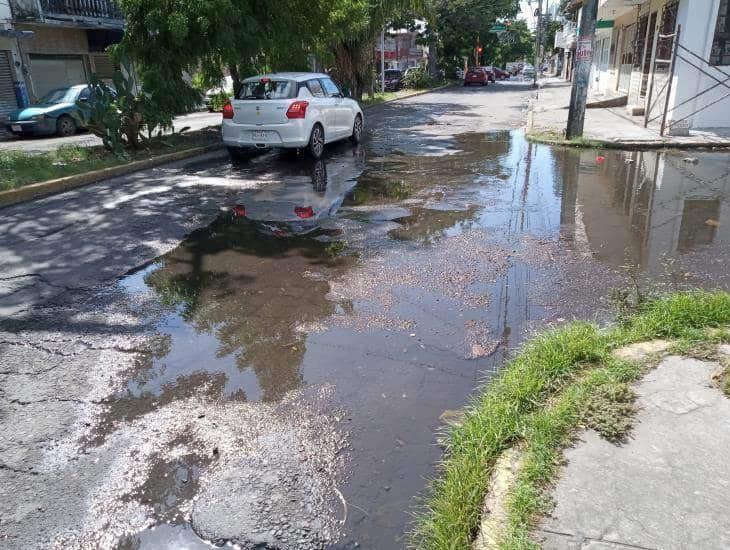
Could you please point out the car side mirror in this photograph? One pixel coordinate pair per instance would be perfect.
(346, 92)
(84, 99)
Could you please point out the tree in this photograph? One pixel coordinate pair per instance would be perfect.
(520, 47)
(459, 24)
(352, 28)
(169, 38)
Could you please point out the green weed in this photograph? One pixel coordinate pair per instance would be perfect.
(560, 381)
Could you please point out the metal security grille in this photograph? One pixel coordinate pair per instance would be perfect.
(7, 94)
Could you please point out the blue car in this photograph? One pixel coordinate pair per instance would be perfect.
(57, 113)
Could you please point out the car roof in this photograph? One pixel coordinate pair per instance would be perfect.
(299, 77)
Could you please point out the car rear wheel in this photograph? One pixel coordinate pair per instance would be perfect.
(315, 148)
(356, 136)
(65, 126)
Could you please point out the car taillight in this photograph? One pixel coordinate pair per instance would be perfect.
(239, 211)
(228, 111)
(304, 212)
(298, 109)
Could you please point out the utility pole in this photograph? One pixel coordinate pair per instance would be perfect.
(582, 71)
(538, 41)
(382, 60)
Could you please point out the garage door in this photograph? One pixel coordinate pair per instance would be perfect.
(48, 73)
(7, 95)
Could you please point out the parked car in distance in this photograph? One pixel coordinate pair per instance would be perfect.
(225, 87)
(490, 73)
(499, 74)
(393, 80)
(56, 113)
(528, 71)
(476, 75)
(290, 111)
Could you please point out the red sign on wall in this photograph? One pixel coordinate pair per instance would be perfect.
(584, 49)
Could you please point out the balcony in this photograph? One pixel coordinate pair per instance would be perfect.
(78, 13)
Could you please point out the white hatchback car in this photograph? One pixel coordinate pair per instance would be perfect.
(290, 110)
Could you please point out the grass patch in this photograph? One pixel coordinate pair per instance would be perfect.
(558, 138)
(381, 97)
(560, 381)
(19, 168)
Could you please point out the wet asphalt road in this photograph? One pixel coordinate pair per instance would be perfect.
(175, 371)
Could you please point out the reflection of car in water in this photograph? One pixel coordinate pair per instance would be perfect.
(297, 205)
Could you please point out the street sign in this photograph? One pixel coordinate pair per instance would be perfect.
(498, 27)
(584, 49)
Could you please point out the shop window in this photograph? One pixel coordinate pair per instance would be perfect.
(720, 53)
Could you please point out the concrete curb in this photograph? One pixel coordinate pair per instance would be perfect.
(591, 143)
(52, 187)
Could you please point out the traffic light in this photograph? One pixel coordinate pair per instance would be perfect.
(479, 49)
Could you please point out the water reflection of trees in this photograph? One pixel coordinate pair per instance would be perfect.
(252, 292)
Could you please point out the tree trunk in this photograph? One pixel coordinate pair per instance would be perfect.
(236, 77)
(433, 66)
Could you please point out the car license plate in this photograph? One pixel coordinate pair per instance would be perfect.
(260, 134)
(15, 127)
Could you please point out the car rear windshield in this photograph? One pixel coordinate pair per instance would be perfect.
(267, 89)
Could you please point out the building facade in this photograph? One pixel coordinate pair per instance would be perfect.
(46, 44)
(635, 42)
(402, 50)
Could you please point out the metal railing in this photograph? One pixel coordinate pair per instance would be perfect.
(693, 60)
(94, 9)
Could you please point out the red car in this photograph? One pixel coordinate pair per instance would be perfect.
(476, 75)
(500, 74)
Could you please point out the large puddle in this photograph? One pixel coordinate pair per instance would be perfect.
(400, 282)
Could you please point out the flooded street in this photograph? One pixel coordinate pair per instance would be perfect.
(280, 378)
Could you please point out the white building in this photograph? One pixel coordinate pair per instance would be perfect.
(634, 44)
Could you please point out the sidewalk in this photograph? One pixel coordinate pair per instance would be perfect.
(609, 127)
(668, 486)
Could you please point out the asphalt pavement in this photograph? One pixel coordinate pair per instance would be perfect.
(261, 353)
